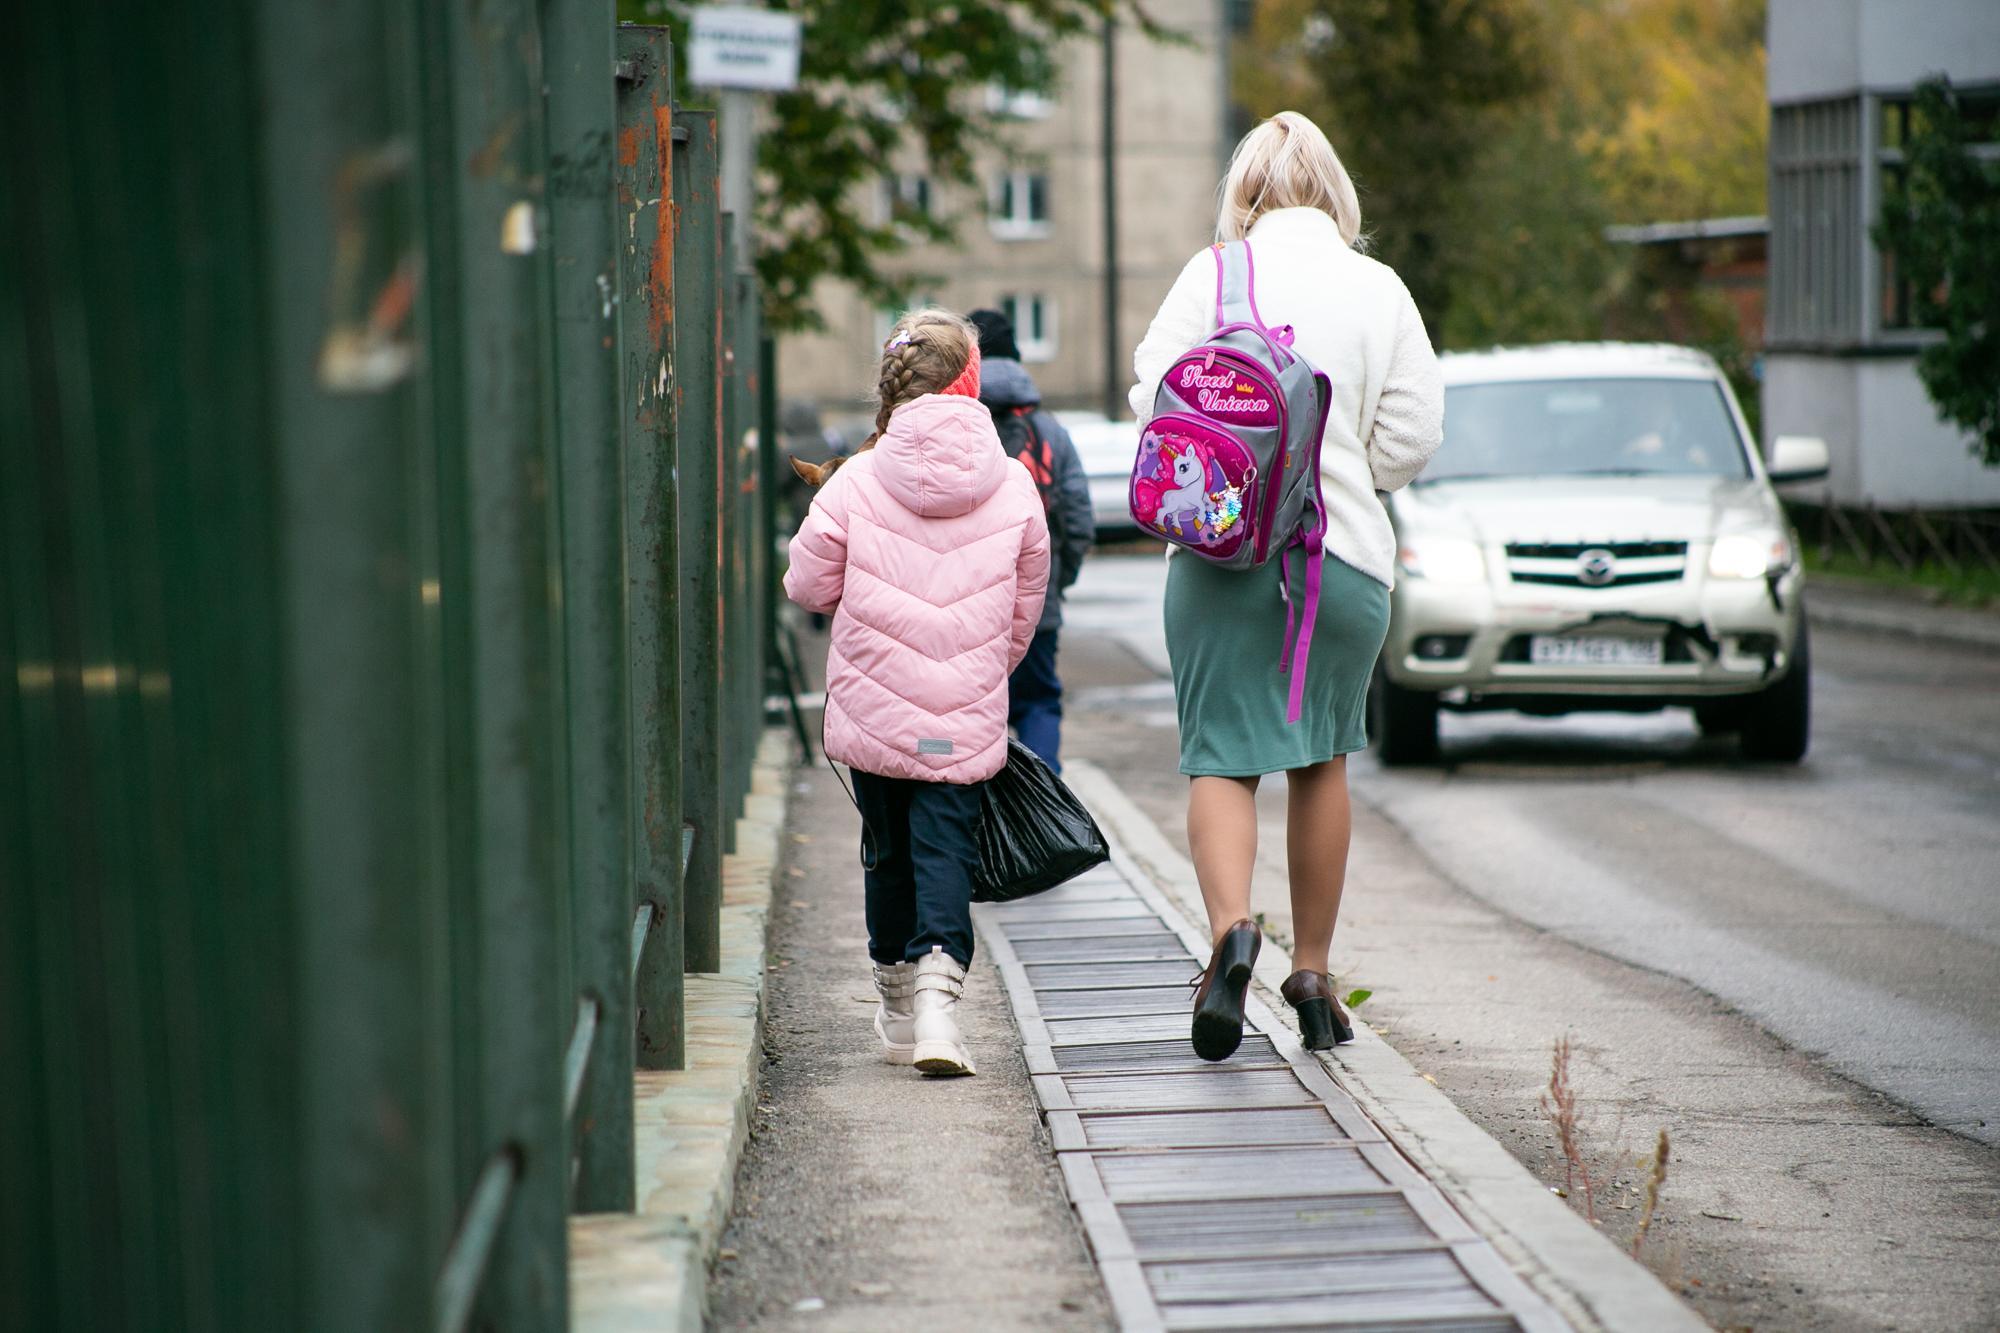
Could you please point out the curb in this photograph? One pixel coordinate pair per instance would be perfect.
(649, 1269)
(1934, 624)
(1589, 1280)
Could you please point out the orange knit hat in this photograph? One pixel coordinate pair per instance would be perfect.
(967, 383)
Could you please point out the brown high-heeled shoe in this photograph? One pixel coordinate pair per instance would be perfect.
(1218, 998)
(1323, 1024)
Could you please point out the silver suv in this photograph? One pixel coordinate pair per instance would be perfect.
(1598, 532)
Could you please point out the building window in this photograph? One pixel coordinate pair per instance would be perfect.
(1021, 205)
(1017, 104)
(905, 197)
(886, 316)
(1034, 319)
(1981, 113)
(1817, 232)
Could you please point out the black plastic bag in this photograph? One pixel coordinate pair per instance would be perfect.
(1033, 832)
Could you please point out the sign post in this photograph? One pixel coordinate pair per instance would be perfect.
(742, 51)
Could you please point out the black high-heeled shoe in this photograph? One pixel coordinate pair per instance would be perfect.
(1218, 998)
(1322, 1022)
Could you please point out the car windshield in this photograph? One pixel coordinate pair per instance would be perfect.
(1590, 427)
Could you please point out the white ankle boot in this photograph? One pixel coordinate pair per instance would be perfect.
(896, 1013)
(939, 982)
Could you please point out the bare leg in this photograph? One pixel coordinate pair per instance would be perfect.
(1222, 834)
(1318, 822)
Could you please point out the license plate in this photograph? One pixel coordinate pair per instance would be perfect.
(1592, 650)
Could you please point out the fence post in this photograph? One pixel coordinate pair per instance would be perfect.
(597, 1069)
(698, 388)
(355, 446)
(646, 210)
(769, 451)
(756, 541)
(734, 742)
(480, 80)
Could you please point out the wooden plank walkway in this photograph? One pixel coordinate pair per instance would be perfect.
(1249, 1194)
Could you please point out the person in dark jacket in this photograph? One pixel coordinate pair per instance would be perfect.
(1034, 704)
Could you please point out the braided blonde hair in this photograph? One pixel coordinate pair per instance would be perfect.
(925, 352)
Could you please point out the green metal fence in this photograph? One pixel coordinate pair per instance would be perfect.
(384, 603)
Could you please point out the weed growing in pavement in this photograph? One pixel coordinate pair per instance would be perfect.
(1653, 1183)
(1559, 1105)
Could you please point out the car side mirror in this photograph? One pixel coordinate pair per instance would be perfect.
(1797, 458)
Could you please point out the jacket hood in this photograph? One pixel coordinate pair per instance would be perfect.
(1005, 383)
(940, 456)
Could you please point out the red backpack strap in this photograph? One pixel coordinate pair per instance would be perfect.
(1039, 459)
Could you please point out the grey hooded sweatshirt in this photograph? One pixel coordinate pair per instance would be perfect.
(1004, 385)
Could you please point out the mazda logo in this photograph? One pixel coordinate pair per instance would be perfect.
(1596, 567)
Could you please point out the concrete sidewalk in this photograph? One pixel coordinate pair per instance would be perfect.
(868, 1194)
(1574, 1268)
(1859, 605)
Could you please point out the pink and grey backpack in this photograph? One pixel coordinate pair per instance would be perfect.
(1228, 467)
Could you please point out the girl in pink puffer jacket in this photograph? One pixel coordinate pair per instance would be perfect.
(930, 550)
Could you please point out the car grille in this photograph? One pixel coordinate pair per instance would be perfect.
(1616, 564)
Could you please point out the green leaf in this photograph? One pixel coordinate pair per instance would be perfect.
(884, 84)
(1358, 997)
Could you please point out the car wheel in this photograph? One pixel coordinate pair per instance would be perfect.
(1777, 723)
(1405, 722)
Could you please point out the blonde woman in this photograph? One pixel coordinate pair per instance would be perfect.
(1289, 197)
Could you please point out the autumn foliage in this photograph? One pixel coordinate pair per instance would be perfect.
(1494, 140)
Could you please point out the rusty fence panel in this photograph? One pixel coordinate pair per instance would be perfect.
(647, 224)
(385, 590)
(698, 386)
(579, 49)
(480, 78)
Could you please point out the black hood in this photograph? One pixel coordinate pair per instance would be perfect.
(996, 335)
(1005, 383)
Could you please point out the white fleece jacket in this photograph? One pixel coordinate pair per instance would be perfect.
(1354, 320)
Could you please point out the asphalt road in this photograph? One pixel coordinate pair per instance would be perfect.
(1795, 970)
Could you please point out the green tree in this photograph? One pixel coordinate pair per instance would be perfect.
(1666, 100)
(1940, 226)
(878, 77)
(1412, 93)
(1531, 262)
(1494, 142)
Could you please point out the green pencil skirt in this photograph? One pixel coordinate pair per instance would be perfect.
(1225, 637)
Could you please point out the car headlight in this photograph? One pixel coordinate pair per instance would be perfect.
(1747, 556)
(1442, 560)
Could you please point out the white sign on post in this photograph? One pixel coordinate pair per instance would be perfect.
(735, 47)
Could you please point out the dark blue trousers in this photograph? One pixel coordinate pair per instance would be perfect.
(1034, 700)
(918, 852)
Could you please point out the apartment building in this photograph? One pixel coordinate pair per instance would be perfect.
(1032, 237)
(1841, 345)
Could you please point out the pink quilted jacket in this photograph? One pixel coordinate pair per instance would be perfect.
(931, 552)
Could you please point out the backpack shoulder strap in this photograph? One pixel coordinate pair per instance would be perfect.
(1235, 285)
(1039, 443)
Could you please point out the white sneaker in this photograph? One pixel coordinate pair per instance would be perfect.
(895, 1012)
(939, 1049)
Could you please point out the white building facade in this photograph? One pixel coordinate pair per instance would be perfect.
(1840, 347)
(1031, 235)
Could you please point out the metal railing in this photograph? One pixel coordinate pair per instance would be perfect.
(386, 605)
(1953, 541)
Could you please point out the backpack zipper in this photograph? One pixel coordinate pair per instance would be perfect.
(1275, 482)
